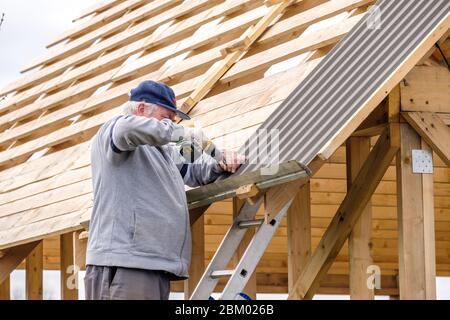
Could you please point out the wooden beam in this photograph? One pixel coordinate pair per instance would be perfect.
(348, 213)
(376, 122)
(13, 257)
(34, 266)
(249, 192)
(433, 130)
(276, 198)
(235, 52)
(416, 243)
(251, 287)
(359, 243)
(69, 290)
(196, 213)
(426, 88)
(299, 234)
(197, 266)
(5, 290)
(394, 105)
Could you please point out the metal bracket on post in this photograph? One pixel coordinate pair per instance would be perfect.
(422, 161)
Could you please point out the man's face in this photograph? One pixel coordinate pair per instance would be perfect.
(159, 113)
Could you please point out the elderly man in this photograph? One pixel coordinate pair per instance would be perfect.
(139, 235)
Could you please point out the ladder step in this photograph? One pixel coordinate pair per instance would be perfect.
(250, 223)
(221, 273)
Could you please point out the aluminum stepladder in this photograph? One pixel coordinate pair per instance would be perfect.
(239, 276)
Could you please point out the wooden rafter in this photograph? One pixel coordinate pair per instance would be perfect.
(234, 53)
(349, 211)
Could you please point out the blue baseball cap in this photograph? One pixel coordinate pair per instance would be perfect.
(159, 94)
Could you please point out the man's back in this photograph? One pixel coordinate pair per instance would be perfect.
(140, 216)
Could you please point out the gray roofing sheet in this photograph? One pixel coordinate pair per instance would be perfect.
(332, 93)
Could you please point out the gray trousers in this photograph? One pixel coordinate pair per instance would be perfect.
(117, 283)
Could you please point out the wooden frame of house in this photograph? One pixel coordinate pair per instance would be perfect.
(362, 221)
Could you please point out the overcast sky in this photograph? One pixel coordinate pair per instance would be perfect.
(28, 26)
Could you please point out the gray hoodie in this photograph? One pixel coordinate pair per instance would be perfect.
(140, 217)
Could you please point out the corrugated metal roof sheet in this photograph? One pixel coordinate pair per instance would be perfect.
(351, 73)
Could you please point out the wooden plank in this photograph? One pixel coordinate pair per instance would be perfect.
(417, 258)
(64, 179)
(97, 21)
(197, 266)
(426, 88)
(97, 8)
(318, 12)
(45, 228)
(302, 44)
(175, 31)
(69, 280)
(433, 130)
(360, 239)
(394, 104)
(19, 220)
(299, 234)
(45, 167)
(219, 69)
(349, 211)
(378, 96)
(34, 273)
(48, 197)
(13, 257)
(104, 61)
(147, 11)
(111, 60)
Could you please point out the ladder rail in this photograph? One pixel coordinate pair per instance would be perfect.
(227, 249)
(252, 256)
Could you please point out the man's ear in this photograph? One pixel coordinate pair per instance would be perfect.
(141, 108)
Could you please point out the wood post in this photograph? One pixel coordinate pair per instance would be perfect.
(416, 244)
(359, 242)
(34, 266)
(197, 267)
(5, 291)
(69, 281)
(299, 234)
(251, 287)
(80, 247)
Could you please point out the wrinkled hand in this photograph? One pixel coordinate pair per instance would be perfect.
(231, 161)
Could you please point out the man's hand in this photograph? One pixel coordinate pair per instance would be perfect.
(231, 161)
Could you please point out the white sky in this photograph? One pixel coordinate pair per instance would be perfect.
(28, 26)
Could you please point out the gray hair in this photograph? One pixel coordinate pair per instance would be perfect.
(131, 107)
